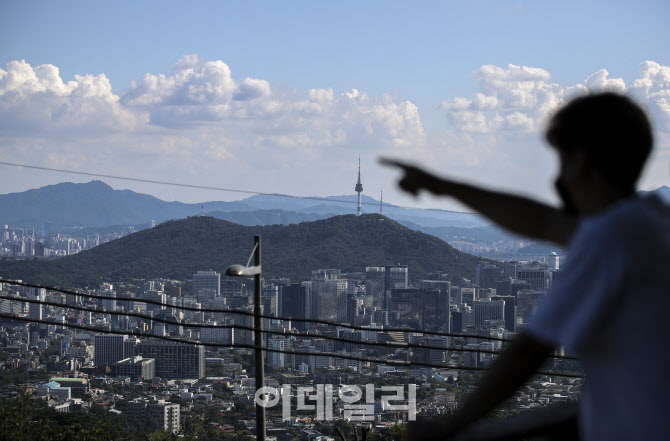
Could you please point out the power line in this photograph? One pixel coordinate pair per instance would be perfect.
(389, 344)
(402, 363)
(251, 314)
(205, 187)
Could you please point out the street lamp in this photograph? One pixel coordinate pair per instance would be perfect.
(243, 271)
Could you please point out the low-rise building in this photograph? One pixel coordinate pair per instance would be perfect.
(137, 368)
(152, 413)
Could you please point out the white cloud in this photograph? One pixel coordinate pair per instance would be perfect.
(37, 100)
(497, 133)
(199, 120)
(512, 98)
(251, 89)
(599, 81)
(653, 89)
(194, 81)
(520, 98)
(203, 92)
(198, 123)
(203, 95)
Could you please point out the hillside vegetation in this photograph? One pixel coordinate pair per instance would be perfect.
(177, 249)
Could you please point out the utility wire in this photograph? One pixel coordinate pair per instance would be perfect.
(230, 190)
(251, 314)
(403, 363)
(389, 344)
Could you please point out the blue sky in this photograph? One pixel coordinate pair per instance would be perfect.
(417, 67)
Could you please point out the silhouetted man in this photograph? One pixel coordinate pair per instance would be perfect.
(611, 303)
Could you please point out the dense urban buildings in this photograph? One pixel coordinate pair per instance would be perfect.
(497, 303)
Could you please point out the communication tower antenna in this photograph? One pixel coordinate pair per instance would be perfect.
(359, 186)
(381, 201)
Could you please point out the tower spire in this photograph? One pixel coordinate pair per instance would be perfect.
(381, 201)
(359, 186)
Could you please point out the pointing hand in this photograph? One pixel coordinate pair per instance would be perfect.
(414, 179)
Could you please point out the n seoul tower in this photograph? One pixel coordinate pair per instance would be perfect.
(359, 186)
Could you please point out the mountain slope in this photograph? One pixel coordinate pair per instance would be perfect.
(94, 204)
(177, 249)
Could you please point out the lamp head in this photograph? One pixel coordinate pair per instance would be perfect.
(241, 271)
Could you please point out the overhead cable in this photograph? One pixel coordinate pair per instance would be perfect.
(205, 187)
(251, 314)
(401, 363)
(389, 344)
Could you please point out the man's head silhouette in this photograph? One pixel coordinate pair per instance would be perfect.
(603, 141)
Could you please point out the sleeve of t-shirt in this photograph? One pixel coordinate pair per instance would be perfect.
(588, 287)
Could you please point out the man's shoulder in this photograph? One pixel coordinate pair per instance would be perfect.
(634, 221)
(636, 213)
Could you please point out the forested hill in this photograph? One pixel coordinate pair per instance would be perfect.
(177, 249)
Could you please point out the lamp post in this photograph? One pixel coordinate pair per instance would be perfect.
(241, 271)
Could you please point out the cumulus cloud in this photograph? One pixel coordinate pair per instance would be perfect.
(520, 98)
(200, 122)
(653, 89)
(199, 116)
(251, 89)
(37, 99)
(497, 131)
(203, 95)
(200, 92)
(512, 98)
(193, 82)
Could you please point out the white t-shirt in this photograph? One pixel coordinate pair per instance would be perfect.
(611, 306)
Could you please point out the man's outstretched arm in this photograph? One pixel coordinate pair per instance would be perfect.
(515, 364)
(517, 214)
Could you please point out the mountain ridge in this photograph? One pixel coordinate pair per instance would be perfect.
(96, 204)
(177, 249)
